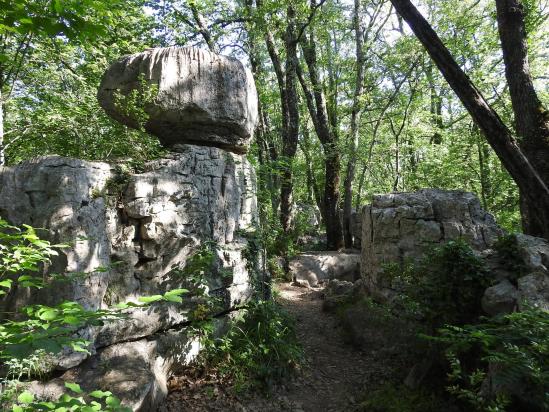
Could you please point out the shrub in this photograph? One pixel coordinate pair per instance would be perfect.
(29, 343)
(501, 360)
(508, 251)
(259, 350)
(448, 285)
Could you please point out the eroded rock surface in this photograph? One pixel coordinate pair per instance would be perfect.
(315, 267)
(196, 96)
(128, 234)
(401, 226)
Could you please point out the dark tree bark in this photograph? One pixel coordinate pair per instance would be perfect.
(316, 103)
(355, 120)
(202, 27)
(291, 128)
(531, 118)
(529, 180)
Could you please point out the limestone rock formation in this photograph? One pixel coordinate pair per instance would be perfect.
(401, 226)
(186, 95)
(500, 298)
(315, 267)
(128, 233)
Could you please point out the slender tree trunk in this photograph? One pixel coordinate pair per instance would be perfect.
(2, 151)
(328, 138)
(202, 26)
(484, 170)
(292, 127)
(531, 118)
(355, 121)
(436, 108)
(530, 182)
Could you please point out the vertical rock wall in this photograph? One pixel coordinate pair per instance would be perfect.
(138, 228)
(131, 235)
(401, 226)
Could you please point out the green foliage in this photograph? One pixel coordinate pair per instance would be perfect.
(512, 351)
(30, 341)
(446, 287)
(259, 350)
(200, 264)
(21, 250)
(48, 328)
(100, 401)
(275, 270)
(508, 251)
(135, 103)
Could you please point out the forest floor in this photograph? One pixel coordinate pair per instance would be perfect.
(334, 377)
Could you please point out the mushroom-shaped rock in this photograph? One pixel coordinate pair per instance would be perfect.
(183, 95)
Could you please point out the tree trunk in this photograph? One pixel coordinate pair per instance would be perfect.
(326, 135)
(531, 184)
(2, 151)
(355, 120)
(531, 118)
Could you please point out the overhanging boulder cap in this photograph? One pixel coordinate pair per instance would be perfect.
(199, 97)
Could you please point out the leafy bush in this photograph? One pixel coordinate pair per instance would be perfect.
(508, 251)
(447, 285)
(501, 360)
(100, 401)
(260, 348)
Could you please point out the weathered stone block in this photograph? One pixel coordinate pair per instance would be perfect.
(199, 97)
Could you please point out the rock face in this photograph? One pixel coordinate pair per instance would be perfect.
(138, 228)
(401, 226)
(356, 229)
(500, 298)
(194, 96)
(316, 267)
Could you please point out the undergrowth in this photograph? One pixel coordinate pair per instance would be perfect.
(259, 350)
(491, 364)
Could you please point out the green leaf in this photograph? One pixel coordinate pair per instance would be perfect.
(74, 387)
(149, 299)
(25, 397)
(6, 283)
(58, 6)
(112, 401)
(173, 298)
(100, 394)
(48, 314)
(176, 292)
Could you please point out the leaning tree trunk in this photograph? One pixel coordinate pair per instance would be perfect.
(529, 181)
(531, 118)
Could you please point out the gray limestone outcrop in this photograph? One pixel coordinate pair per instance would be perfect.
(132, 235)
(188, 96)
(398, 227)
(401, 227)
(313, 268)
(129, 234)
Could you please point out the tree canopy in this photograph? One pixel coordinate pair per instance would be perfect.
(351, 104)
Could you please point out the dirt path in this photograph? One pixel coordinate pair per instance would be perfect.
(333, 378)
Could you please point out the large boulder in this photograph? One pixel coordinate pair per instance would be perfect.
(313, 268)
(129, 233)
(189, 96)
(401, 227)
